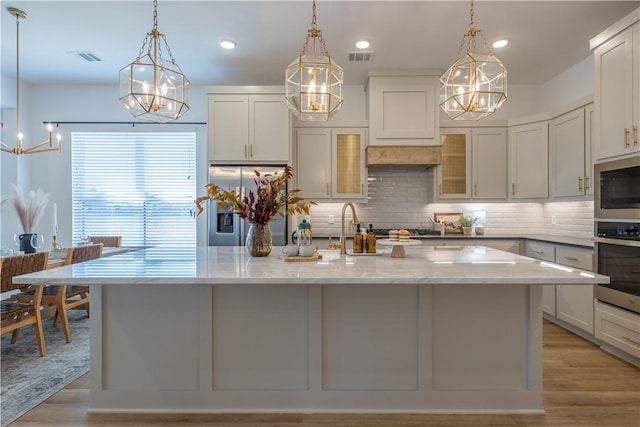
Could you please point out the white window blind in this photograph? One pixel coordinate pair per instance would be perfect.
(138, 185)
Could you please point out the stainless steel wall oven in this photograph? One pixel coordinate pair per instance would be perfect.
(617, 249)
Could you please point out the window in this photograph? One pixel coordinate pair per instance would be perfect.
(139, 185)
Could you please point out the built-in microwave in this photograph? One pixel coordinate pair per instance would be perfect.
(617, 189)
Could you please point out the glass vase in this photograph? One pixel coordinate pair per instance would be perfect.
(259, 240)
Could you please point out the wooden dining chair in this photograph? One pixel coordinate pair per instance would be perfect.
(107, 241)
(16, 313)
(69, 297)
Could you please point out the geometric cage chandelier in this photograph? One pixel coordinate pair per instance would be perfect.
(42, 146)
(313, 81)
(475, 86)
(153, 88)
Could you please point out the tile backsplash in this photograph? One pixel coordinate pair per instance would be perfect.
(403, 197)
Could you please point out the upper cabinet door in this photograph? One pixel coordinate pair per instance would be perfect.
(349, 180)
(617, 94)
(489, 163)
(454, 174)
(403, 110)
(313, 163)
(269, 128)
(567, 142)
(529, 160)
(228, 128)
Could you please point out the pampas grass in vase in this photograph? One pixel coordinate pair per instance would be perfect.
(29, 209)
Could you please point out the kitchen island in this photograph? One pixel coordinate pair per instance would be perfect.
(211, 329)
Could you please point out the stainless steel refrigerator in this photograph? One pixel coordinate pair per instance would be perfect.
(227, 228)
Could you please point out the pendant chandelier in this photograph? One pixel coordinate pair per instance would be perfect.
(40, 147)
(313, 80)
(475, 86)
(151, 87)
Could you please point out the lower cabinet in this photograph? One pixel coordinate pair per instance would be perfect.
(573, 304)
(618, 328)
(545, 252)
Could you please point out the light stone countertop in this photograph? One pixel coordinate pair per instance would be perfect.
(232, 265)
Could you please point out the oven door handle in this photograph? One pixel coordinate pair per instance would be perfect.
(619, 242)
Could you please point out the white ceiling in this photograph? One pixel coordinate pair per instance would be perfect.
(546, 37)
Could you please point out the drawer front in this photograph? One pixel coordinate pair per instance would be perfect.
(539, 250)
(618, 328)
(575, 257)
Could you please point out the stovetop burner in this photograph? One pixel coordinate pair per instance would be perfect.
(412, 231)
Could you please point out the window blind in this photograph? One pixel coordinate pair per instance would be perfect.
(138, 185)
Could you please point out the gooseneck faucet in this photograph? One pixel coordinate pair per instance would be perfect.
(343, 236)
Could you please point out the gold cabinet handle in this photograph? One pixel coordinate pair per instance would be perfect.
(538, 252)
(635, 135)
(362, 189)
(579, 183)
(245, 150)
(626, 137)
(636, 342)
(586, 183)
(251, 150)
(327, 188)
(570, 258)
(440, 189)
(513, 189)
(475, 189)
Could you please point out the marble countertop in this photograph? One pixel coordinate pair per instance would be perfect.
(232, 265)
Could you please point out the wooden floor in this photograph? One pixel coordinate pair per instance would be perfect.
(583, 386)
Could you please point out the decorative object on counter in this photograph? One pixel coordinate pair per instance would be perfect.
(303, 238)
(466, 221)
(313, 81)
(394, 235)
(40, 147)
(260, 207)
(451, 222)
(371, 240)
(398, 247)
(29, 212)
(151, 87)
(290, 250)
(354, 220)
(475, 86)
(358, 241)
(479, 230)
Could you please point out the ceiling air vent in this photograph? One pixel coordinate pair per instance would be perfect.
(86, 55)
(359, 56)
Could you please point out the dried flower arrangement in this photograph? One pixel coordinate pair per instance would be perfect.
(260, 207)
(29, 209)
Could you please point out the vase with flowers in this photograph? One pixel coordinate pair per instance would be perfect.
(29, 210)
(259, 207)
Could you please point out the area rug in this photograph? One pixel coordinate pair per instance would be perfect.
(26, 379)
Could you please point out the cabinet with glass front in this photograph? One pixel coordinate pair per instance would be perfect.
(474, 164)
(330, 163)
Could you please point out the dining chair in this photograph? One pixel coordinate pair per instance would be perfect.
(69, 297)
(107, 241)
(16, 313)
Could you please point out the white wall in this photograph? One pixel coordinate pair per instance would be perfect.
(569, 86)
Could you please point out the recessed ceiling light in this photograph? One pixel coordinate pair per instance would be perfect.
(363, 44)
(500, 43)
(228, 44)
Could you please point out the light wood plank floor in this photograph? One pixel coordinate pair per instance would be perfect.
(583, 386)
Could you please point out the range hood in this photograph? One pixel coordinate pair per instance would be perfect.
(424, 155)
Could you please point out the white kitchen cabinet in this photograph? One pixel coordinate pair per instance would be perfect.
(617, 88)
(474, 164)
(330, 163)
(545, 252)
(574, 303)
(529, 160)
(403, 107)
(248, 128)
(569, 147)
(507, 245)
(618, 328)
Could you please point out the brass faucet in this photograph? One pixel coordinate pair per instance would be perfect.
(343, 237)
